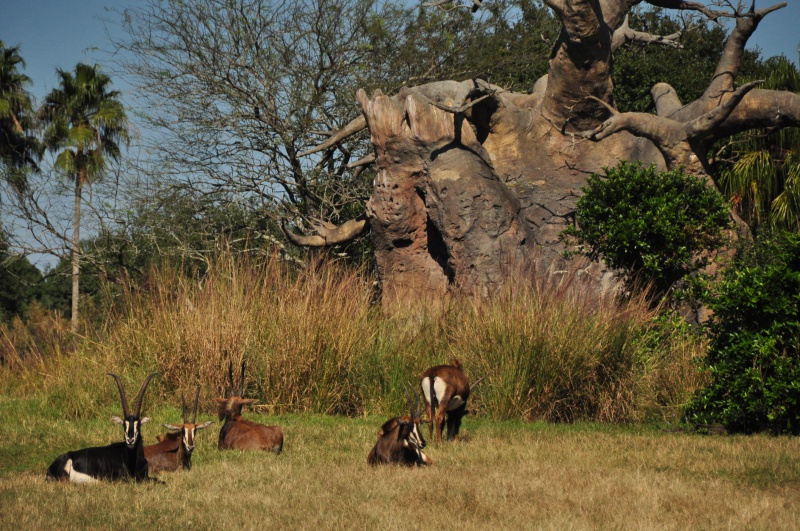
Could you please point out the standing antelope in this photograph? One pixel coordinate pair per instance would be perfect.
(122, 460)
(174, 449)
(240, 434)
(400, 440)
(446, 390)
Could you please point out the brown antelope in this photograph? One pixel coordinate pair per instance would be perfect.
(174, 449)
(400, 440)
(240, 434)
(446, 390)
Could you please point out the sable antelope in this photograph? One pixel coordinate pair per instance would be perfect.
(400, 440)
(174, 449)
(446, 390)
(122, 460)
(240, 434)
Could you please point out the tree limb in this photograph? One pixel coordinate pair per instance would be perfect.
(330, 235)
(624, 34)
(356, 125)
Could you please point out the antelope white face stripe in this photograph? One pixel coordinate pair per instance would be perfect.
(415, 438)
(131, 432)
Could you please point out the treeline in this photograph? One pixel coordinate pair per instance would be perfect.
(225, 123)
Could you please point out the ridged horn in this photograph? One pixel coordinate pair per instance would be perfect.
(183, 407)
(125, 408)
(140, 396)
(475, 385)
(414, 405)
(196, 402)
(230, 378)
(241, 393)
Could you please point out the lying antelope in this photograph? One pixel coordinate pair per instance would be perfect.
(240, 434)
(122, 460)
(400, 440)
(446, 390)
(174, 449)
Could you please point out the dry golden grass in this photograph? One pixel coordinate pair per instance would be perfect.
(503, 475)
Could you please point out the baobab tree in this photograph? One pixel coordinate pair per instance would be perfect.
(473, 179)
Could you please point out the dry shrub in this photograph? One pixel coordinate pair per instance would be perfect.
(300, 333)
(314, 341)
(561, 351)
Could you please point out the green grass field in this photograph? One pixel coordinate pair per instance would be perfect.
(502, 475)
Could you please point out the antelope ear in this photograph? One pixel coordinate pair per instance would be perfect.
(117, 420)
(204, 425)
(220, 400)
(144, 420)
(172, 427)
(249, 401)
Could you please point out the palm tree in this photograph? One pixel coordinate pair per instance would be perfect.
(19, 150)
(764, 179)
(85, 124)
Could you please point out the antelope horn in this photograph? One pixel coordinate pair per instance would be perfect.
(196, 403)
(125, 408)
(473, 386)
(244, 363)
(230, 378)
(140, 396)
(183, 407)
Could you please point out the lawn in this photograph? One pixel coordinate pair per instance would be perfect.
(501, 475)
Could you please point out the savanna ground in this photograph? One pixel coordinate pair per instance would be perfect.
(502, 475)
(566, 430)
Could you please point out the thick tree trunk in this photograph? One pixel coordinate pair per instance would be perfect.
(476, 183)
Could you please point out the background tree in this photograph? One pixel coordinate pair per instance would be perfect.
(472, 178)
(20, 150)
(760, 169)
(657, 227)
(18, 281)
(85, 125)
(754, 356)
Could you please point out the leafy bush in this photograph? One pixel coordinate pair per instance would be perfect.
(652, 225)
(754, 357)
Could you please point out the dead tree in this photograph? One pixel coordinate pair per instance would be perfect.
(473, 180)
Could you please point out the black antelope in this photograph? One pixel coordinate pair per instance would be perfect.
(400, 440)
(122, 460)
(240, 434)
(446, 390)
(174, 449)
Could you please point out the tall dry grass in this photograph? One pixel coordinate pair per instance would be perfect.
(314, 341)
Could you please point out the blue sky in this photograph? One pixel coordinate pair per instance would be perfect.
(61, 33)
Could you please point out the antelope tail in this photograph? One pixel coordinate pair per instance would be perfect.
(434, 400)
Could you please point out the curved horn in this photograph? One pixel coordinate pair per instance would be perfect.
(125, 408)
(241, 393)
(230, 378)
(140, 396)
(183, 407)
(411, 403)
(473, 386)
(196, 402)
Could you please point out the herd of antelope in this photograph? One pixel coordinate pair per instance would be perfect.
(445, 389)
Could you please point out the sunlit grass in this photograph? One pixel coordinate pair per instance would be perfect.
(503, 475)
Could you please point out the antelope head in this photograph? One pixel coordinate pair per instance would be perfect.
(188, 429)
(232, 404)
(410, 432)
(131, 420)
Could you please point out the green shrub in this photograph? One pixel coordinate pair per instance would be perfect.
(754, 357)
(652, 225)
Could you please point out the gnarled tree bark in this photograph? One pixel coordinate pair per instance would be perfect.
(474, 180)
